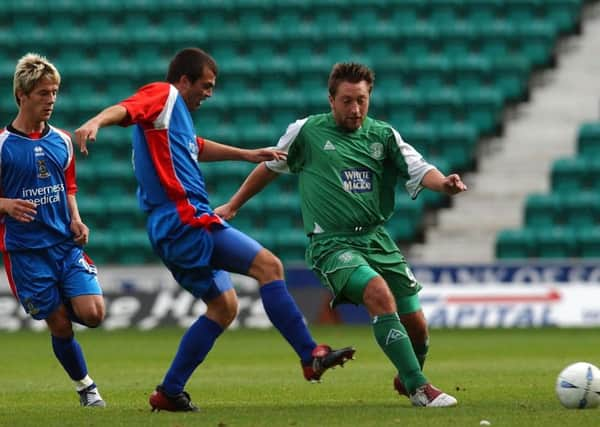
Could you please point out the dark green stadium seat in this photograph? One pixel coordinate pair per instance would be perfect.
(470, 72)
(536, 41)
(492, 38)
(565, 14)
(569, 174)
(556, 243)
(290, 244)
(293, 26)
(443, 13)
(581, 209)
(416, 40)
(589, 242)
(421, 136)
(511, 75)
(406, 222)
(455, 142)
(134, 247)
(542, 210)
(515, 243)
(429, 71)
(402, 105)
(124, 213)
(483, 12)
(588, 140)
(102, 247)
(483, 109)
(443, 106)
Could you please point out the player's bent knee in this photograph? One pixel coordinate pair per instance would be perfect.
(266, 267)
(379, 300)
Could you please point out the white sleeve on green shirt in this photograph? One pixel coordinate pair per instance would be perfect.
(281, 166)
(417, 166)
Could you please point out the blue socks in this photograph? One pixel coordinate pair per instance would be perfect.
(286, 317)
(193, 348)
(69, 354)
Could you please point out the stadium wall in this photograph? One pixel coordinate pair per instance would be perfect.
(454, 296)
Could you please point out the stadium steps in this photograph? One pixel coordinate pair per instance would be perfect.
(519, 163)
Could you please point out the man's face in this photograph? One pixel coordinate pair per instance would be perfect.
(350, 104)
(194, 94)
(39, 103)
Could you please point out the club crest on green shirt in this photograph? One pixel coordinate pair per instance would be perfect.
(376, 150)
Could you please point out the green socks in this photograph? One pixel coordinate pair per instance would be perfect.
(393, 340)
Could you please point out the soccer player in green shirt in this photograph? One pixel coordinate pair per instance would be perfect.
(348, 165)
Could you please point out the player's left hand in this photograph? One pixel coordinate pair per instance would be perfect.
(226, 211)
(264, 154)
(81, 232)
(453, 184)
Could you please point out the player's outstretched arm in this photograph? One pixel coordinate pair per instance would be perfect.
(87, 132)
(258, 179)
(436, 181)
(213, 151)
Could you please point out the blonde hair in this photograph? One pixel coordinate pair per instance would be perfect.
(30, 69)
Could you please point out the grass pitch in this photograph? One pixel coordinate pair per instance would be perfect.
(252, 378)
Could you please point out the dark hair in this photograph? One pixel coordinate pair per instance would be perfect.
(351, 72)
(190, 62)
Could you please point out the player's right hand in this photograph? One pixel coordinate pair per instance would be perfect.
(19, 209)
(87, 132)
(226, 212)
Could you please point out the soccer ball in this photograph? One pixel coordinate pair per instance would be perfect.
(578, 386)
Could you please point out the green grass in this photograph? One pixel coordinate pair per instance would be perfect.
(252, 378)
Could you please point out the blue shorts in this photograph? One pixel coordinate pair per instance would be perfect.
(43, 279)
(199, 258)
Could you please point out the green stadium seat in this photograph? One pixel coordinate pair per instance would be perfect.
(589, 242)
(443, 13)
(292, 247)
(556, 243)
(292, 26)
(255, 25)
(406, 222)
(483, 109)
(569, 174)
(581, 210)
(133, 247)
(511, 76)
(542, 210)
(536, 41)
(483, 12)
(421, 136)
(102, 247)
(515, 244)
(588, 140)
(564, 14)
(455, 142)
(443, 106)
(402, 106)
(469, 72)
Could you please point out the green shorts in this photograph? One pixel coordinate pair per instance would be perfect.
(334, 258)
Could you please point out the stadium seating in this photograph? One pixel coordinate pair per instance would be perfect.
(446, 69)
(564, 223)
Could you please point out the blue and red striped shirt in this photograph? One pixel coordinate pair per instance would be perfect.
(165, 154)
(39, 167)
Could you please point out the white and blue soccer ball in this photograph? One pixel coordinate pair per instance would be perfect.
(578, 386)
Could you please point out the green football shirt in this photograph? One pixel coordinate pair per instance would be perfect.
(347, 179)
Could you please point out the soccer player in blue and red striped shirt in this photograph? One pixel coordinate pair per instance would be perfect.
(196, 245)
(41, 232)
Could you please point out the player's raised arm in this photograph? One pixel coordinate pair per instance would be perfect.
(109, 116)
(258, 179)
